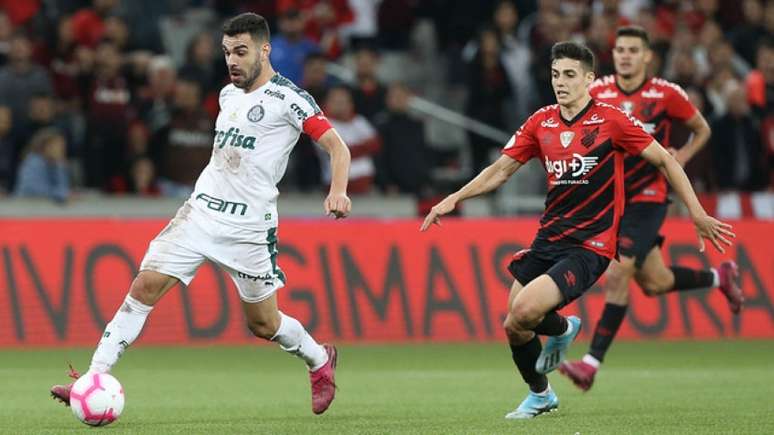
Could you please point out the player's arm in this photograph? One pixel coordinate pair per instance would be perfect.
(701, 132)
(337, 203)
(706, 226)
(492, 177)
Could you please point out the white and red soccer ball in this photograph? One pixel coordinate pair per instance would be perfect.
(97, 399)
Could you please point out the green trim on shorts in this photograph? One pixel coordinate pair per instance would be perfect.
(271, 239)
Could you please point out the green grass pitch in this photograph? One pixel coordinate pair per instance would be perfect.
(646, 387)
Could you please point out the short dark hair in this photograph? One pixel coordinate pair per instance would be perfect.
(574, 51)
(248, 22)
(635, 32)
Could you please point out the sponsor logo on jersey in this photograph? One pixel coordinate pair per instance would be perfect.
(221, 205)
(234, 139)
(595, 119)
(566, 138)
(275, 94)
(607, 93)
(300, 113)
(255, 113)
(549, 123)
(577, 167)
(652, 93)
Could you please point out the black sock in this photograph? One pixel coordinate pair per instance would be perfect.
(608, 325)
(525, 356)
(552, 324)
(691, 279)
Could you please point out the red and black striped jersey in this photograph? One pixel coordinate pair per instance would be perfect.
(656, 103)
(583, 158)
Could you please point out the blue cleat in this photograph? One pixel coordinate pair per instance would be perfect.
(555, 349)
(534, 405)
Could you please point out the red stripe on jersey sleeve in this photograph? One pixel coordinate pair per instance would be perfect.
(679, 106)
(628, 133)
(316, 125)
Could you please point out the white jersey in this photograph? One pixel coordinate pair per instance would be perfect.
(254, 135)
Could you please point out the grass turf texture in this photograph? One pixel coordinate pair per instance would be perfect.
(649, 387)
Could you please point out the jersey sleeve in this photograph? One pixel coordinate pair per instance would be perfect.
(306, 115)
(628, 133)
(678, 105)
(523, 145)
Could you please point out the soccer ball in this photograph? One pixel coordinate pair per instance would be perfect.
(97, 399)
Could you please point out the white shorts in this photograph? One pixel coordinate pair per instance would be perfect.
(249, 256)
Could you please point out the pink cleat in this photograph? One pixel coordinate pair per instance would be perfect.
(728, 273)
(323, 382)
(580, 373)
(62, 392)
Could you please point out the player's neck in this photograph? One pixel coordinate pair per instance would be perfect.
(266, 75)
(630, 84)
(570, 111)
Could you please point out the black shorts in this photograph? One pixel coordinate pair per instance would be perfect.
(639, 229)
(574, 270)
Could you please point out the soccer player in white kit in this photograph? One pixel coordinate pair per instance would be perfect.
(231, 217)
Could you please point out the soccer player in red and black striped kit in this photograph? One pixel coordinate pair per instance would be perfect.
(582, 144)
(657, 103)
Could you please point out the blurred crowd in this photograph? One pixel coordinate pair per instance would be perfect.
(121, 96)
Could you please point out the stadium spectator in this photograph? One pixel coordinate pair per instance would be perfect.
(739, 157)
(489, 90)
(43, 170)
(6, 31)
(394, 17)
(20, 79)
(322, 20)
(184, 145)
(403, 161)
(9, 150)
(290, 48)
(108, 112)
(304, 162)
(141, 179)
(369, 94)
(517, 60)
(203, 65)
(358, 133)
(89, 23)
(745, 38)
(155, 99)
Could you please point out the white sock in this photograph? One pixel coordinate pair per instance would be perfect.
(569, 329)
(293, 338)
(119, 334)
(715, 277)
(545, 392)
(590, 360)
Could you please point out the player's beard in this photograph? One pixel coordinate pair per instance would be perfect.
(249, 80)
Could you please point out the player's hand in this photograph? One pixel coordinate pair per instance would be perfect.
(337, 205)
(717, 232)
(438, 210)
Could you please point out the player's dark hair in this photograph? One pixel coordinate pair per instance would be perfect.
(574, 51)
(635, 32)
(248, 22)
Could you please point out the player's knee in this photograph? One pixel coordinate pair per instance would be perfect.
(525, 315)
(146, 290)
(654, 285)
(516, 334)
(263, 328)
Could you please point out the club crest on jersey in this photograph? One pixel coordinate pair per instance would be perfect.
(255, 113)
(566, 138)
